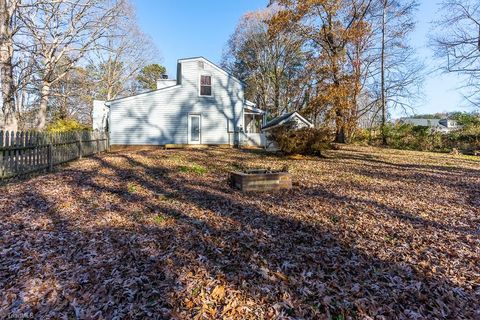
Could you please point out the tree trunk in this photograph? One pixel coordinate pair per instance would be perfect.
(109, 92)
(6, 69)
(42, 112)
(382, 75)
(340, 134)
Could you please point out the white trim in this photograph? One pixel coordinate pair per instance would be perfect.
(256, 110)
(205, 73)
(308, 123)
(191, 115)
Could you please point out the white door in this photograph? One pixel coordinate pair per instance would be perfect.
(194, 128)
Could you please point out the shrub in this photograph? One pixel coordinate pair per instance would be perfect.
(405, 136)
(362, 136)
(467, 138)
(66, 125)
(311, 141)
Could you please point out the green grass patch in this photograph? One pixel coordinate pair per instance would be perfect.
(160, 219)
(471, 157)
(334, 218)
(195, 168)
(132, 188)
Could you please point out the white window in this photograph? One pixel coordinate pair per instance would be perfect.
(205, 85)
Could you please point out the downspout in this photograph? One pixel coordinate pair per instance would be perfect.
(242, 126)
(107, 104)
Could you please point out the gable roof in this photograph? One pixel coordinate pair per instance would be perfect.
(284, 118)
(174, 86)
(142, 93)
(213, 65)
(421, 121)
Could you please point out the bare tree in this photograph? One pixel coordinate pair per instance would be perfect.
(59, 34)
(71, 96)
(272, 64)
(383, 100)
(457, 42)
(8, 28)
(401, 73)
(392, 74)
(118, 58)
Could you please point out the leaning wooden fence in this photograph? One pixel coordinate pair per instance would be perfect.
(26, 152)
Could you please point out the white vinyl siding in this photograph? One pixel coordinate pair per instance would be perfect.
(161, 117)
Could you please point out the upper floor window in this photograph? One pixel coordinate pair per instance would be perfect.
(205, 85)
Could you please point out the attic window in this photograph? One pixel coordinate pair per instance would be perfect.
(205, 85)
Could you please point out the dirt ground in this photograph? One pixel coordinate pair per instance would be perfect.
(364, 232)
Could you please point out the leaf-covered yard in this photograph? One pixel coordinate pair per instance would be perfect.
(363, 233)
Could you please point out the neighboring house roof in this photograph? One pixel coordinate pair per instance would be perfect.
(421, 122)
(285, 118)
(442, 123)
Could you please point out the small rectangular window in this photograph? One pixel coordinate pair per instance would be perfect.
(205, 85)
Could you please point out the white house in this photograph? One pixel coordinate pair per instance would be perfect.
(204, 106)
(438, 125)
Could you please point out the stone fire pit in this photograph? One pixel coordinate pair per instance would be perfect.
(260, 180)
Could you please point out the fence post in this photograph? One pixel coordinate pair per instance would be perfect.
(108, 141)
(49, 156)
(1, 154)
(97, 138)
(80, 145)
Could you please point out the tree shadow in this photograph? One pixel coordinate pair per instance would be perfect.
(463, 179)
(273, 264)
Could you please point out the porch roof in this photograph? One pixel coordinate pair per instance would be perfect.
(252, 108)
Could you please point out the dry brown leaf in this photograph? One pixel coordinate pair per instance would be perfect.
(364, 233)
(218, 293)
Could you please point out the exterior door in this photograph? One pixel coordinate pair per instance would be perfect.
(194, 128)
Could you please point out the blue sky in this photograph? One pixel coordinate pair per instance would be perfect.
(184, 28)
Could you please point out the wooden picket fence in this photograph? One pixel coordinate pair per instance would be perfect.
(24, 152)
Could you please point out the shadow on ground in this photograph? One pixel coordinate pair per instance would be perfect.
(129, 235)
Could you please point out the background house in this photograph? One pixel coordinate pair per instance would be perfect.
(440, 125)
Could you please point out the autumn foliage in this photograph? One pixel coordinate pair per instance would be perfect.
(305, 141)
(334, 32)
